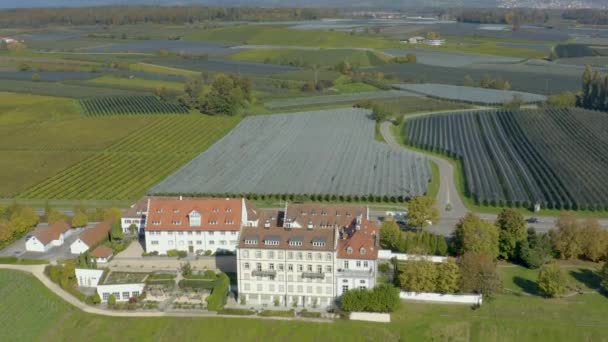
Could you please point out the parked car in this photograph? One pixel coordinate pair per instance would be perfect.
(532, 220)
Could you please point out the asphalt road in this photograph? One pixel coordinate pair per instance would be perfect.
(17, 248)
(448, 194)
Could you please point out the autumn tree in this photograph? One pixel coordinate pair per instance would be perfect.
(448, 277)
(594, 240)
(418, 276)
(478, 274)
(390, 235)
(112, 214)
(536, 250)
(567, 237)
(54, 215)
(552, 280)
(474, 235)
(511, 231)
(80, 219)
(422, 211)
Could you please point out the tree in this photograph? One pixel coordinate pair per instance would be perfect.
(566, 237)
(53, 216)
(228, 95)
(193, 90)
(551, 280)
(565, 99)
(418, 276)
(116, 232)
(475, 235)
(422, 211)
(96, 299)
(390, 235)
(133, 229)
(186, 269)
(112, 214)
(468, 81)
(594, 240)
(479, 275)
(36, 77)
(448, 277)
(80, 219)
(512, 230)
(586, 80)
(111, 300)
(536, 251)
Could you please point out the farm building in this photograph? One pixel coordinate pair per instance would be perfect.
(196, 225)
(8, 40)
(91, 237)
(307, 255)
(102, 254)
(45, 238)
(122, 285)
(415, 40)
(135, 215)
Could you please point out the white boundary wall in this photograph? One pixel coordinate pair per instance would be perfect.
(370, 317)
(385, 254)
(441, 298)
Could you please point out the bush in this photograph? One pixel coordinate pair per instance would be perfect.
(209, 274)
(239, 312)
(309, 314)
(277, 313)
(112, 300)
(196, 284)
(552, 280)
(217, 299)
(172, 253)
(382, 298)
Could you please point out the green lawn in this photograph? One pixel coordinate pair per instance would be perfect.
(274, 35)
(160, 69)
(323, 57)
(32, 312)
(491, 46)
(138, 83)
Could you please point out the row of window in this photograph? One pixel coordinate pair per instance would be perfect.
(357, 263)
(211, 233)
(290, 255)
(290, 267)
(211, 222)
(292, 278)
(176, 211)
(290, 289)
(198, 242)
(136, 221)
(125, 295)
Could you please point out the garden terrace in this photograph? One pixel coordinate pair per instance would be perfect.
(288, 154)
(555, 157)
(113, 278)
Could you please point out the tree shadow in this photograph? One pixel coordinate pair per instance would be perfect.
(587, 277)
(527, 285)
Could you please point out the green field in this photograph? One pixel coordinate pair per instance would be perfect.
(323, 57)
(160, 69)
(273, 35)
(135, 82)
(31, 312)
(131, 165)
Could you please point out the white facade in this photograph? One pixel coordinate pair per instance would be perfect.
(355, 274)
(305, 278)
(191, 241)
(122, 292)
(126, 222)
(77, 247)
(88, 277)
(35, 245)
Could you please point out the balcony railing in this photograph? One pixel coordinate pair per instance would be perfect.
(313, 275)
(264, 273)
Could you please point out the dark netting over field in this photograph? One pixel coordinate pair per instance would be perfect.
(471, 94)
(144, 104)
(556, 157)
(524, 80)
(329, 153)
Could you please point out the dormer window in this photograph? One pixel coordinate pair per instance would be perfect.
(229, 222)
(251, 242)
(271, 242)
(318, 243)
(177, 223)
(323, 213)
(349, 250)
(195, 218)
(310, 225)
(295, 243)
(175, 211)
(362, 250)
(159, 211)
(228, 210)
(213, 222)
(156, 223)
(216, 210)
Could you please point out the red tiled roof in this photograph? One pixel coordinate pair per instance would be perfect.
(96, 234)
(173, 214)
(324, 215)
(362, 242)
(46, 235)
(102, 252)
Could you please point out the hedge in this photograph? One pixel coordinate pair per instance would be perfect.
(168, 283)
(197, 284)
(217, 299)
(277, 313)
(382, 298)
(310, 314)
(17, 261)
(240, 312)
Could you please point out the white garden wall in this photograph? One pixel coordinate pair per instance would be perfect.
(441, 298)
(387, 255)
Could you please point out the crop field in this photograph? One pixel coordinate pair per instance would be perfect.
(52, 76)
(140, 82)
(324, 57)
(527, 81)
(450, 58)
(154, 46)
(125, 169)
(225, 66)
(555, 157)
(598, 61)
(330, 99)
(471, 94)
(273, 35)
(289, 154)
(145, 104)
(61, 89)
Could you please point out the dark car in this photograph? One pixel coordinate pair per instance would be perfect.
(532, 220)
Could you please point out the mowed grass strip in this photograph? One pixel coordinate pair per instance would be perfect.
(128, 168)
(31, 312)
